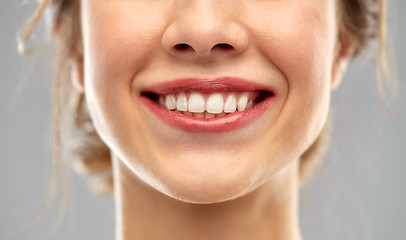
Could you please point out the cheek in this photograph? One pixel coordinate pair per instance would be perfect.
(118, 39)
(299, 40)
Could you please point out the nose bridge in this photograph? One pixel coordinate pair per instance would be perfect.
(203, 16)
(201, 25)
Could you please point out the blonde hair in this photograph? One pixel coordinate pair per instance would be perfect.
(365, 20)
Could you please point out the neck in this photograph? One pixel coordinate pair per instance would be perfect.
(269, 212)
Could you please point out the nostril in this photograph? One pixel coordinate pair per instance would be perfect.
(182, 47)
(223, 46)
(202, 51)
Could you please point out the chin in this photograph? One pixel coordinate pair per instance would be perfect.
(204, 185)
(208, 192)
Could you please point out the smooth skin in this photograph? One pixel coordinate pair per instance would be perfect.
(172, 184)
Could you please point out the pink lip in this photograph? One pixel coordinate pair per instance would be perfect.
(230, 122)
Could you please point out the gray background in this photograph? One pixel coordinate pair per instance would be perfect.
(359, 193)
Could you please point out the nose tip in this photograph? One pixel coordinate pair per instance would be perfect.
(203, 32)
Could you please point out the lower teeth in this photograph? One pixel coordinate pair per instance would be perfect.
(205, 115)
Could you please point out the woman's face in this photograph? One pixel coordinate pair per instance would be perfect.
(140, 56)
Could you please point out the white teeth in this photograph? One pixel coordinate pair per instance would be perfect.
(197, 104)
(170, 102)
(230, 105)
(213, 106)
(215, 103)
(242, 102)
(181, 103)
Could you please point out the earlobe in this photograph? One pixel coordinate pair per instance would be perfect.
(339, 69)
(344, 51)
(77, 73)
(77, 68)
(75, 56)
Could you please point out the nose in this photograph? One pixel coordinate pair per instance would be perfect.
(202, 29)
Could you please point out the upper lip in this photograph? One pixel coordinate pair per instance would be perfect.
(211, 85)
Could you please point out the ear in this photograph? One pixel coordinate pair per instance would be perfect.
(74, 55)
(77, 73)
(345, 48)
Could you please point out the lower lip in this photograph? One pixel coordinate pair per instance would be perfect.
(230, 122)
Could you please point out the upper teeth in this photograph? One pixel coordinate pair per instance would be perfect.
(215, 103)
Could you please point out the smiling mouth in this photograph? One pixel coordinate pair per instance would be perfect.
(210, 105)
